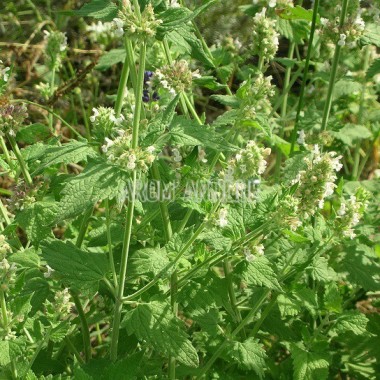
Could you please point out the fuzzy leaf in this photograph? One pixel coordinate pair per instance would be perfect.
(111, 58)
(249, 355)
(32, 133)
(288, 305)
(309, 364)
(374, 69)
(351, 321)
(155, 323)
(148, 261)
(259, 272)
(82, 270)
(72, 152)
(98, 181)
(103, 10)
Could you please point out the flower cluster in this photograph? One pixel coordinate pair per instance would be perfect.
(7, 273)
(135, 25)
(349, 214)
(4, 247)
(56, 46)
(248, 163)
(255, 96)
(318, 181)
(348, 34)
(120, 152)
(252, 251)
(222, 218)
(286, 214)
(265, 37)
(62, 302)
(11, 117)
(101, 31)
(176, 77)
(104, 121)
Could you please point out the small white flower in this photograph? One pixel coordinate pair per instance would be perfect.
(150, 149)
(259, 249)
(95, 115)
(324, 21)
(342, 39)
(223, 222)
(49, 272)
(119, 32)
(107, 145)
(272, 3)
(301, 137)
(202, 155)
(174, 4)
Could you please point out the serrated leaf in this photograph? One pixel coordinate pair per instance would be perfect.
(148, 261)
(288, 305)
(155, 323)
(249, 355)
(9, 350)
(294, 30)
(33, 133)
(72, 152)
(350, 134)
(309, 364)
(37, 220)
(226, 100)
(374, 69)
(82, 270)
(27, 258)
(111, 58)
(259, 272)
(59, 331)
(98, 181)
(297, 13)
(103, 10)
(321, 271)
(351, 321)
(371, 35)
(332, 298)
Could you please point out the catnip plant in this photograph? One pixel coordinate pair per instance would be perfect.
(186, 198)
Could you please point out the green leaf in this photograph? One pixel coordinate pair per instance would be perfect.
(27, 258)
(59, 331)
(110, 58)
(346, 87)
(297, 13)
(374, 69)
(288, 305)
(103, 10)
(351, 321)
(33, 133)
(371, 35)
(147, 261)
(9, 350)
(309, 364)
(98, 181)
(155, 323)
(80, 269)
(332, 298)
(37, 220)
(227, 100)
(187, 133)
(294, 30)
(21, 305)
(72, 152)
(249, 355)
(361, 270)
(321, 271)
(259, 272)
(350, 134)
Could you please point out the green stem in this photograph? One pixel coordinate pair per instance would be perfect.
(184, 221)
(305, 73)
(83, 227)
(241, 325)
(355, 170)
(4, 213)
(85, 330)
(334, 70)
(5, 150)
(174, 304)
(284, 107)
(52, 85)
(73, 349)
(169, 266)
(130, 211)
(122, 86)
(20, 159)
(264, 314)
(109, 242)
(163, 207)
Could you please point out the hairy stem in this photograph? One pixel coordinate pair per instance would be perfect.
(130, 210)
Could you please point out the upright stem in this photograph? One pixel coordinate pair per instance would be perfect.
(109, 242)
(4, 213)
(355, 169)
(5, 151)
(305, 73)
(16, 151)
(334, 69)
(130, 211)
(122, 86)
(52, 85)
